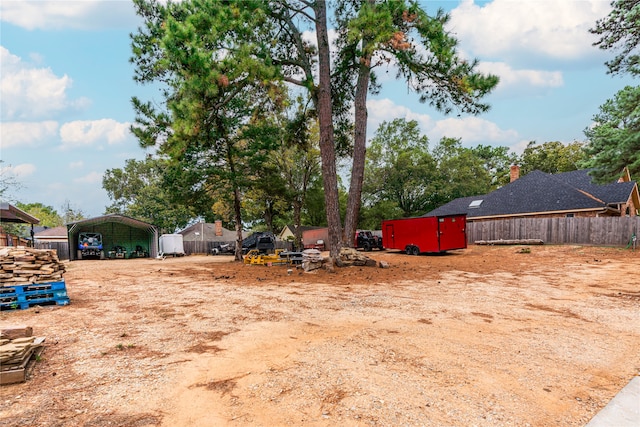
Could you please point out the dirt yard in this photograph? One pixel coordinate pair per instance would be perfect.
(488, 336)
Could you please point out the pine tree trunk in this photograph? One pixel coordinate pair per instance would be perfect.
(359, 151)
(297, 209)
(238, 219)
(327, 146)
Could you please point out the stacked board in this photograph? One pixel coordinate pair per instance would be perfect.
(22, 265)
(16, 353)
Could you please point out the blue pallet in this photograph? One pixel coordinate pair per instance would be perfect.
(32, 287)
(25, 296)
(29, 304)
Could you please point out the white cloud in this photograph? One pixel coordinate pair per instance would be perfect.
(527, 31)
(81, 14)
(76, 165)
(28, 92)
(27, 134)
(88, 133)
(472, 130)
(19, 171)
(380, 110)
(519, 81)
(91, 178)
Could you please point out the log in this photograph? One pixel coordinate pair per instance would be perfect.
(510, 242)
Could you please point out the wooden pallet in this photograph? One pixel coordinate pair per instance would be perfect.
(12, 373)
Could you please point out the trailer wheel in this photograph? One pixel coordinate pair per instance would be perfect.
(409, 250)
(416, 251)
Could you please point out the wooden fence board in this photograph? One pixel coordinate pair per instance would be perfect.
(61, 248)
(608, 231)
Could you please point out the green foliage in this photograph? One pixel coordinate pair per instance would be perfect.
(46, 214)
(614, 139)
(399, 168)
(138, 191)
(404, 178)
(313, 212)
(620, 32)
(371, 216)
(376, 34)
(278, 197)
(219, 66)
(460, 173)
(551, 157)
(219, 93)
(497, 162)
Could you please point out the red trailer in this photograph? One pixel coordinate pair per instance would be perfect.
(425, 234)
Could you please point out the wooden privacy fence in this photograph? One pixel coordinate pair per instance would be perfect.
(610, 231)
(62, 248)
(205, 247)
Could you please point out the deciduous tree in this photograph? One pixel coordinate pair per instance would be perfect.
(46, 214)
(138, 191)
(399, 168)
(551, 157)
(460, 172)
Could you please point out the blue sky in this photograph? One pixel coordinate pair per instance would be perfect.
(66, 86)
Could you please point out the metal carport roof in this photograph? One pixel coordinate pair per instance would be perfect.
(9, 213)
(74, 227)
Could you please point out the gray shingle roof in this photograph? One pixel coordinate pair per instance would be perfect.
(207, 232)
(616, 192)
(455, 207)
(60, 231)
(539, 192)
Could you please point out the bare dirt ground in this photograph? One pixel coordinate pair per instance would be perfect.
(487, 336)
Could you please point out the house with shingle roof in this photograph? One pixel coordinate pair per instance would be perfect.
(288, 231)
(207, 232)
(51, 234)
(543, 195)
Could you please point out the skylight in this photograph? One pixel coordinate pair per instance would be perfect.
(475, 204)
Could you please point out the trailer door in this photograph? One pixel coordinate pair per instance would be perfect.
(388, 237)
(452, 232)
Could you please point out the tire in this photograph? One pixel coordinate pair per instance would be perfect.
(366, 246)
(415, 251)
(409, 250)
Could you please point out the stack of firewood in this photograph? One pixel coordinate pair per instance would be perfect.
(22, 265)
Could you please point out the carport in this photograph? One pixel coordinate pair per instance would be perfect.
(9, 213)
(116, 230)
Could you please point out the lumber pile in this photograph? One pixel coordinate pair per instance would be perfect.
(17, 348)
(21, 265)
